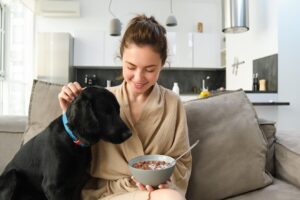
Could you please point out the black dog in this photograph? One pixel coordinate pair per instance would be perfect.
(54, 164)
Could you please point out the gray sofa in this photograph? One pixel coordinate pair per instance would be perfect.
(229, 163)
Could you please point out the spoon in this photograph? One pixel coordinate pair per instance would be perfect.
(190, 148)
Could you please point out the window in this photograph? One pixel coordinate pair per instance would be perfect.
(1, 41)
(17, 58)
(1, 53)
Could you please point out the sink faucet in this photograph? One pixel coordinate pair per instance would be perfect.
(203, 82)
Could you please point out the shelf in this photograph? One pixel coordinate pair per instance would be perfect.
(275, 103)
(260, 92)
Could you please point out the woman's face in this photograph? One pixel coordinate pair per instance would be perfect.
(141, 68)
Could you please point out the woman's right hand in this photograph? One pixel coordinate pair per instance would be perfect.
(67, 94)
(148, 187)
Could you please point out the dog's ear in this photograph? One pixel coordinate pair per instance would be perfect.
(81, 117)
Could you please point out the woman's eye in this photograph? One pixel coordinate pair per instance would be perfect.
(150, 70)
(130, 67)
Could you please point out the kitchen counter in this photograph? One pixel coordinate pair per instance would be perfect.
(275, 103)
(262, 99)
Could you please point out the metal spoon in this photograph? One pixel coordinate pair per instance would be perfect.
(190, 148)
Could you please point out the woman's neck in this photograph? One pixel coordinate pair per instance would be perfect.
(138, 98)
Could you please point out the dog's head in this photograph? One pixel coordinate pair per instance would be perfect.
(95, 115)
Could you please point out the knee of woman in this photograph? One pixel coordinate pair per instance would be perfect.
(166, 194)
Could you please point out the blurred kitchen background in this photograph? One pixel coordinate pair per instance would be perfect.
(67, 40)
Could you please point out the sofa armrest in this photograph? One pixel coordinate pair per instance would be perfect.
(11, 134)
(287, 156)
(269, 131)
(9, 144)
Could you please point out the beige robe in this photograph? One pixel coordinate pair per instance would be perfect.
(161, 129)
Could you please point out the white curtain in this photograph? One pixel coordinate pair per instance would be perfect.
(15, 87)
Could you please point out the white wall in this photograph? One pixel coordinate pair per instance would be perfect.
(274, 27)
(93, 23)
(289, 63)
(95, 15)
(259, 41)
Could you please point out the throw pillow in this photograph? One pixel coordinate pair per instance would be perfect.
(231, 156)
(43, 107)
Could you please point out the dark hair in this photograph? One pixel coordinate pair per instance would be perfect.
(143, 30)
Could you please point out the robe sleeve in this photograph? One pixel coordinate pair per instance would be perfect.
(182, 172)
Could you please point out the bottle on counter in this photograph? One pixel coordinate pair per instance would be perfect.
(255, 82)
(94, 79)
(86, 77)
(176, 88)
(108, 83)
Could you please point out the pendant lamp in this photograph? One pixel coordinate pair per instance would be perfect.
(171, 20)
(235, 16)
(115, 23)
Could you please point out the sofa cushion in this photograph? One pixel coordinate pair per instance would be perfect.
(231, 156)
(279, 190)
(43, 107)
(269, 130)
(287, 156)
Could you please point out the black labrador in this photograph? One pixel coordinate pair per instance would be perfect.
(54, 164)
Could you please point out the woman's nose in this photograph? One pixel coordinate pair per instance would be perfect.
(139, 75)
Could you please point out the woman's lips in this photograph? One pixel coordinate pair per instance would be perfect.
(139, 85)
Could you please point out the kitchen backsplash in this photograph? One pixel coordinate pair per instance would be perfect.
(266, 69)
(189, 80)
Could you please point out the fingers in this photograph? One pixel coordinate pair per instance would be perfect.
(78, 86)
(149, 188)
(138, 184)
(67, 94)
(73, 89)
(165, 185)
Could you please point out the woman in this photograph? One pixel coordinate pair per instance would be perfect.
(154, 114)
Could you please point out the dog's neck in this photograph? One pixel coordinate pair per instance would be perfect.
(70, 133)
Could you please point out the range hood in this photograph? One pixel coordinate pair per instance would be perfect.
(235, 16)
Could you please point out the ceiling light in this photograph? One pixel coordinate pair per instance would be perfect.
(171, 20)
(115, 23)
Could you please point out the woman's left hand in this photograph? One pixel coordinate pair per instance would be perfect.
(149, 188)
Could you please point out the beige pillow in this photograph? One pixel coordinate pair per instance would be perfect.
(231, 156)
(43, 107)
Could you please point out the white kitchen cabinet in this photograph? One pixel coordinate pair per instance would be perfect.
(180, 50)
(112, 51)
(89, 48)
(223, 51)
(54, 57)
(206, 50)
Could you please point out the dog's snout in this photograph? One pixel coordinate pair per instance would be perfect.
(118, 133)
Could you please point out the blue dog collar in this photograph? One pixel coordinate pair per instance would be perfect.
(72, 136)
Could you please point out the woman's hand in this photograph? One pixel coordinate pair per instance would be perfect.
(149, 188)
(67, 94)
